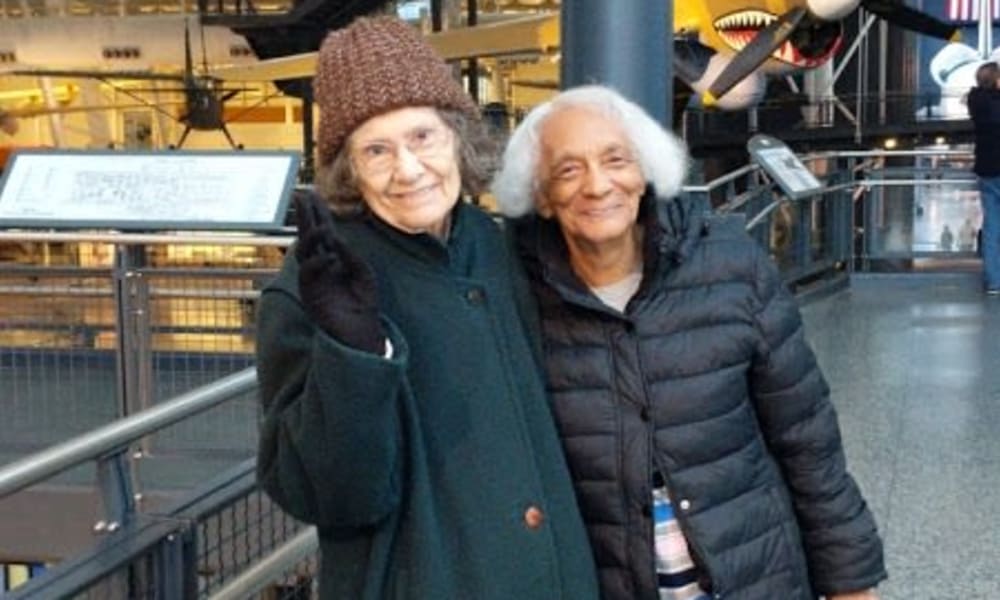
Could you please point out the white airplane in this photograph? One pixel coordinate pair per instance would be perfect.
(115, 43)
(114, 50)
(954, 67)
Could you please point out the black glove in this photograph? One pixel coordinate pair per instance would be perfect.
(337, 288)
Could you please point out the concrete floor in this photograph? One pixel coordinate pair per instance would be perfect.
(914, 364)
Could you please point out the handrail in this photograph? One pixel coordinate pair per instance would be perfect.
(214, 239)
(746, 169)
(264, 572)
(911, 182)
(722, 179)
(113, 436)
(890, 153)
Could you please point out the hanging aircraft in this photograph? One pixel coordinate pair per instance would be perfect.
(133, 42)
(746, 40)
(723, 49)
(145, 48)
(204, 95)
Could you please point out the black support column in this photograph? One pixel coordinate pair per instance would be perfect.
(626, 44)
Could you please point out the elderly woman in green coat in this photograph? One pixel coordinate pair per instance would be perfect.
(404, 410)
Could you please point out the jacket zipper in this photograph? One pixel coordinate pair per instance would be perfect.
(695, 548)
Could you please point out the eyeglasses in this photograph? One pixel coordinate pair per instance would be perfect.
(381, 156)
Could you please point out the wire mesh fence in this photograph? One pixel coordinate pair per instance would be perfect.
(240, 534)
(91, 332)
(72, 317)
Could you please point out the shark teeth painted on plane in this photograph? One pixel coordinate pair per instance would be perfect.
(745, 19)
(738, 28)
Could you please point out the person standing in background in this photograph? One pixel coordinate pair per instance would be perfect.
(984, 109)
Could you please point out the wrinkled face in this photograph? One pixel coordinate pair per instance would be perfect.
(589, 178)
(406, 167)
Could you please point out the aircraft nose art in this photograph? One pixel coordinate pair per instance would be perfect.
(736, 29)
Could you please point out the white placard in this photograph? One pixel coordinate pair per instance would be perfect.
(788, 168)
(784, 166)
(153, 190)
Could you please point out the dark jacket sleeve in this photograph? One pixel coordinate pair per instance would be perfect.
(329, 450)
(984, 106)
(799, 422)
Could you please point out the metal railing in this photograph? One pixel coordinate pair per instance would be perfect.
(875, 208)
(184, 551)
(105, 443)
(844, 121)
(95, 326)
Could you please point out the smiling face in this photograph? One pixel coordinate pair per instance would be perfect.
(589, 179)
(407, 170)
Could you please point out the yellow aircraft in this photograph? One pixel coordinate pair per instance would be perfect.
(723, 49)
(745, 38)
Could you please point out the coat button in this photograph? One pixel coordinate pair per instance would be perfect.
(644, 414)
(685, 504)
(533, 517)
(475, 296)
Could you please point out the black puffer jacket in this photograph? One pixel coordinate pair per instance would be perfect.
(708, 380)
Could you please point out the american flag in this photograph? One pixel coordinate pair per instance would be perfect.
(968, 10)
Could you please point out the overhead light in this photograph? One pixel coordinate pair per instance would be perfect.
(890, 143)
(940, 140)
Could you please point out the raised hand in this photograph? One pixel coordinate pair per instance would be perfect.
(337, 288)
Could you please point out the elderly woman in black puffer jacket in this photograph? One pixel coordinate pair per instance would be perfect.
(699, 430)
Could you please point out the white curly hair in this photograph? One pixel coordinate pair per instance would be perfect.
(663, 157)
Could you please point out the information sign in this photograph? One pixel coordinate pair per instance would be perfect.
(784, 166)
(169, 189)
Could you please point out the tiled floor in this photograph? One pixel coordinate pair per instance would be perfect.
(914, 365)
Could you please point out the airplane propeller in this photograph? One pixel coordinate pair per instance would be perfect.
(754, 53)
(898, 13)
(799, 25)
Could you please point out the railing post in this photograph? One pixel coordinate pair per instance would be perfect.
(760, 200)
(175, 566)
(114, 478)
(702, 200)
(133, 348)
(843, 214)
(132, 322)
(802, 237)
(868, 207)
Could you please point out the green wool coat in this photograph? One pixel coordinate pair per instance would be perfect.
(423, 472)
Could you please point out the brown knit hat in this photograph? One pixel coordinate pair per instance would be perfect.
(375, 65)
